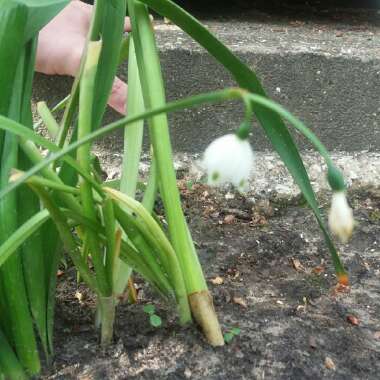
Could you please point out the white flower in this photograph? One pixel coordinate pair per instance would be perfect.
(341, 219)
(228, 159)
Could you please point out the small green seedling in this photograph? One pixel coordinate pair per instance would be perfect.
(228, 336)
(154, 319)
(189, 185)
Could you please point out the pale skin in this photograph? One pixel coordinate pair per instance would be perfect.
(61, 43)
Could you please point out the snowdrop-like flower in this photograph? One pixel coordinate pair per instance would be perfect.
(228, 159)
(341, 219)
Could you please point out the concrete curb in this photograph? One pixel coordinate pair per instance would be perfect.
(328, 75)
(270, 177)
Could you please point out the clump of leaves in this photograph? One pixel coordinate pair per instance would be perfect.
(230, 334)
(154, 319)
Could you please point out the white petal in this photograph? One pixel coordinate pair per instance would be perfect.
(228, 159)
(341, 219)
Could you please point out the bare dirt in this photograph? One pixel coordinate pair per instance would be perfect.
(271, 275)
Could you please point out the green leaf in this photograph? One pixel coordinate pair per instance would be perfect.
(10, 367)
(110, 225)
(228, 337)
(112, 34)
(13, 18)
(66, 235)
(124, 50)
(132, 152)
(53, 250)
(20, 130)
(33, 255)
(16, 311)
(40, 12)
(235, 331)
(149, 254)
(29, 137)
(133, 134)
(156, 238)
(134, 259)
(22, 234)
(149, 309)
(155, 320)
(106, 23)
(113, 183)
(85, 120)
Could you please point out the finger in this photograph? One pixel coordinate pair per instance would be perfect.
(86, 12)
(77, 16)
(59, 55)
(127, 24)
(68, 56)
(118, 97)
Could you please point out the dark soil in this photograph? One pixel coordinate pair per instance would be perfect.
(278, 288)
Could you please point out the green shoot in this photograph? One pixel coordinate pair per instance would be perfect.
(231, 334)
(154, 319)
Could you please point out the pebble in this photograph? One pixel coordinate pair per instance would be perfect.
(329, 363)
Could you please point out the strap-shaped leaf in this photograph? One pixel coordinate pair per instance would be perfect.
(10, 368)
(112, 35)
(13, 18)
(40, 12)
(22, 234)
(14, 291)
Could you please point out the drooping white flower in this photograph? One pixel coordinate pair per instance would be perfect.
(341, 220)
(228, 159)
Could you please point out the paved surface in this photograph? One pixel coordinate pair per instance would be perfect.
(270, 178)
(324, 69)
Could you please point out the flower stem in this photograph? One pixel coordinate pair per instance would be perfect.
(151, 77)
(154, 96)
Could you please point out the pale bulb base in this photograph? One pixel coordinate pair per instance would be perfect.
(204, 313)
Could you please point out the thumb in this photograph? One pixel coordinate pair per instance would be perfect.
(118, 97)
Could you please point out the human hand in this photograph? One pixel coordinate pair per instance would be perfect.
(61, 44)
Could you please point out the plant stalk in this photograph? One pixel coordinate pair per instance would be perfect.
(107, 317)
(154, 96)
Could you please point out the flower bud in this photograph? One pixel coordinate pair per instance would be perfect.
(341, 221)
